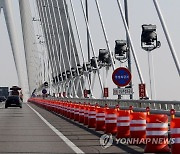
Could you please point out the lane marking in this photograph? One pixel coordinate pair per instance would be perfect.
(64, 138)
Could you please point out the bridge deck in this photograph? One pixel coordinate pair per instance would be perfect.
(22, 131)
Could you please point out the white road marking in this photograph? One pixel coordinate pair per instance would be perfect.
(64, 138)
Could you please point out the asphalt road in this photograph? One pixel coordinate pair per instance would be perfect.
(23, 131)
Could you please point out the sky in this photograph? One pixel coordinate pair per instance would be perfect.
(166, 80)
(8, 73)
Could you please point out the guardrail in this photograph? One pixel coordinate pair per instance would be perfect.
(156, 106)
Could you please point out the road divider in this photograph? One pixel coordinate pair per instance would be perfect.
(142, 127)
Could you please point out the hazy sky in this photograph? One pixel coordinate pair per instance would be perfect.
(8, 72)
(167, 82)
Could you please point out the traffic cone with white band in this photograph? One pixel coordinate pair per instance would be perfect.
(138, 125)
(100, 119)
(175, 135)
(157, 133)
(123, 121)
(110, 121)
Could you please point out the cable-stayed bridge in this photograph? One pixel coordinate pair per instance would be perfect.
(95, 52)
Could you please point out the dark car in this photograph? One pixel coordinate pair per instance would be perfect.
(13, 101)
(2, 98)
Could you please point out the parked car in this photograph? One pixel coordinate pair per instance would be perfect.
(13, 101)
(2, 98)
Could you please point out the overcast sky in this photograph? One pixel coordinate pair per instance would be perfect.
(167, 82)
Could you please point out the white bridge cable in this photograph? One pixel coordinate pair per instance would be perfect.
(92, 46)
(54, 51)
(48, 72)
(60, 49)
(60, 46)
(68, 57)
(53, 65)
(165, 29)
(39, 35)
(71, 40)
(50, 69)
(80, 44)
(40, 60)
(46, 34)
(52, 44)
(73, 49)
(41, 14)
(105, 35)
(130, 41)
(61, 58)
(52, 36)
(55, 43)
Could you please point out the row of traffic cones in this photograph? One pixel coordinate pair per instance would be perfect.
(122, 123)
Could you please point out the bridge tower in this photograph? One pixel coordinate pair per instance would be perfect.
(18, 54)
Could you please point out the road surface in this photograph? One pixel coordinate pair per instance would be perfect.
(35, 130)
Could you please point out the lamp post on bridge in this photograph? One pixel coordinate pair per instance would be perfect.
(128, 43)
(122, 49)
(88, 45)
(149, 42)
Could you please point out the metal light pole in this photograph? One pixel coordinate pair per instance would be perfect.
(128, 43)
(88, 45)
(150, 79)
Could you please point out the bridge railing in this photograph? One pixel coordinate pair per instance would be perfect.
(156, 106)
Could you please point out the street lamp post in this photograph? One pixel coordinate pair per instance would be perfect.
(149, 42)
(128, 43)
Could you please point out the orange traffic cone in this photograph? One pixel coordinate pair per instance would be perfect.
(138, 125)
(157, 133)
(81, 113)
(110, 121)
(100, 119)
(76, 112)
(92, 117)
(175, 135)
(72, 110)
(86, 108)
(123, 121)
